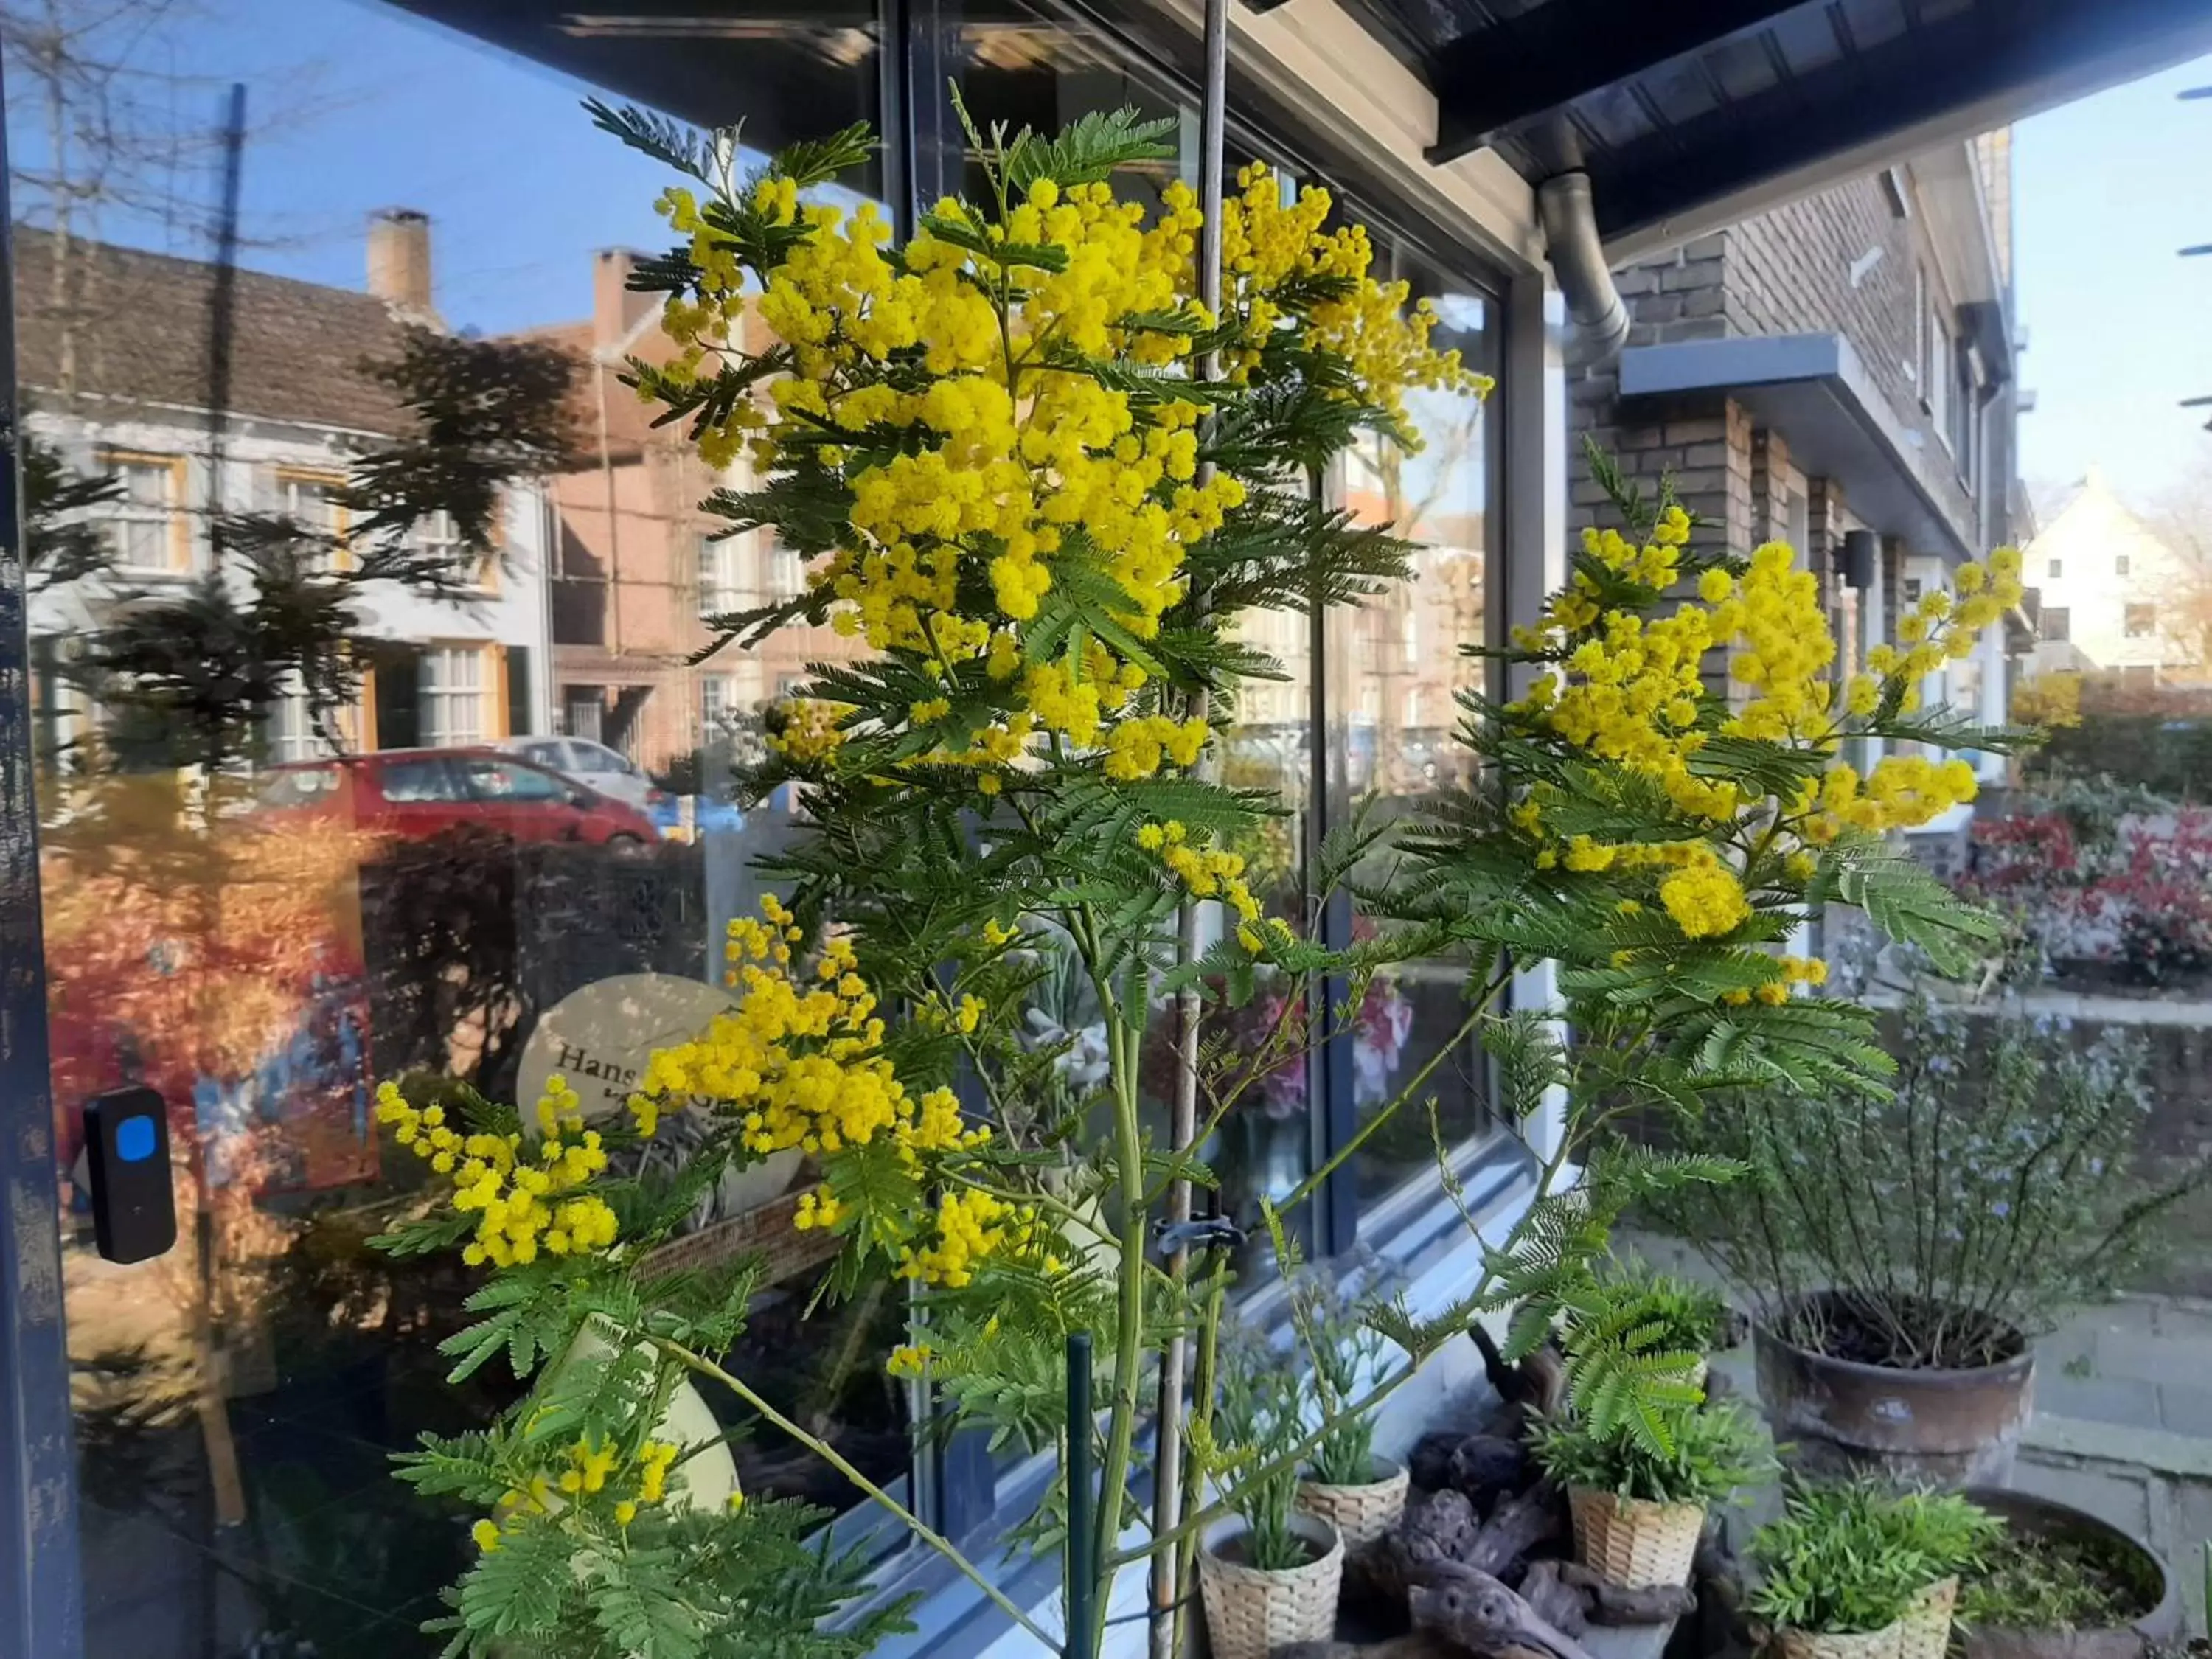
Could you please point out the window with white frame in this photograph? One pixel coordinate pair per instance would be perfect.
(147, 528)
(292, 734)
(720, 587)
(452, 690)
(312, 502)
(1939, 382)
(438, 536)
(787, 572)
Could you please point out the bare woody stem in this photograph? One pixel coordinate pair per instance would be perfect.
(875, 1494)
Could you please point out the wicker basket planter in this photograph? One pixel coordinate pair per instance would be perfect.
(1925, 1630)
(1884, 1644)
(1360, 1514)
(1248, 1613)
(1632, 1543)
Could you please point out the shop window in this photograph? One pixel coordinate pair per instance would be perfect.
(1394, 672)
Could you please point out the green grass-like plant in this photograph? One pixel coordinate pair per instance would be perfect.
(1709, 1453)
(2063, 1583)
(1849, 1557)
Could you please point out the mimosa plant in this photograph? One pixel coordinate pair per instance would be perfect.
(1044, 484)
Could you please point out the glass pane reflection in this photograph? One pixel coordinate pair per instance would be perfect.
(287, 853)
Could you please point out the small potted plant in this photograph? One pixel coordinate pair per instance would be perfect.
(1858, 1568)
(1832, 1584)
(1949, 1535)
(1640, 1483)
(1269, 1573)
(1345, 1483)
(1633, 1310)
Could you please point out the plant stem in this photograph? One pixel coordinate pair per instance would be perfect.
(1128, 1334)
(836, 1460)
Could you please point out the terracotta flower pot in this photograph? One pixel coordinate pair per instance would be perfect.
(1363, 1513)
(1249, 1612)
(1947, 1428)
(2158, 1628)
(1633, 1542)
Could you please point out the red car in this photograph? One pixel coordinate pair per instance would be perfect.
(419, 792)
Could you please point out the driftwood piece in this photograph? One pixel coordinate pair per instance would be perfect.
(1538, 1383)
(1619, 1604)
(1554, 1598)
(1438, 1529)
(1485, 1467)
(1514, 1528)
(1428, 1463)
(1473, 1609)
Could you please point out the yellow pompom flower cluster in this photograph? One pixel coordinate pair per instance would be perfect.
(592, 1469)
(1016, 461)
(810, 730)
(1208, 872)
(799, 1065)
(968, 1227)
(526, 1202)
(1628, 688)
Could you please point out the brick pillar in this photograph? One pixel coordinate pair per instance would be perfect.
(1769, 489)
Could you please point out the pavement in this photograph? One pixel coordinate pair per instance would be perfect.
(2123, 1423)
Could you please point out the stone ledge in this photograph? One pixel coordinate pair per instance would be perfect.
(2159, 1450)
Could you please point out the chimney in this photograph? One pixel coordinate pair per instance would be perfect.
(615, 309)
(400, 259)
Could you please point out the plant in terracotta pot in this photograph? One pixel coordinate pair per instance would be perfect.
(2063, 1584)
(1344, 1482)
(1270, 1572)
(1910, 1245)
(1640, 1483)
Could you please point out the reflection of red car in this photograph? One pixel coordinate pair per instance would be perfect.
(419, 792)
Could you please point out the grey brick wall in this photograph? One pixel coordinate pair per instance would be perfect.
(1784, 273)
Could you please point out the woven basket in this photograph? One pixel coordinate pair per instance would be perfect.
(1634, 1543)
(1925, 1629)
(1250, 1614)
(1360, 1514)
(1883, 1644)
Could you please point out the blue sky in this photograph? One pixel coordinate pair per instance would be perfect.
(2108, 189)
(374, 109)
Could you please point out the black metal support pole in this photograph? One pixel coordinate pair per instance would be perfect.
(1083, 1558)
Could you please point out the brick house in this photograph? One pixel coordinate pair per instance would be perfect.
(113, 356)
(1842, 363)
(637, 567)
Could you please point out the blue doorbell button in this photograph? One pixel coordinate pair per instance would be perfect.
(126, 1145)
(136, 1139)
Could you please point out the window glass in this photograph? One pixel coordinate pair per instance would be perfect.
(418, 781)
(1396, 668)
(1018, 68)
(144, 525)
(238, 1400)
(510, 781)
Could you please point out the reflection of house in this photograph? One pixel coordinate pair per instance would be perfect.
(637, 565)
(1841, 363)
(2117, 598)
(113, 355)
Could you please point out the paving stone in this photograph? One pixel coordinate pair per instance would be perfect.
(2186, 1410)
(2153, 1358)
(2121, 1499)
(2181, 1319)
(2131, 1400)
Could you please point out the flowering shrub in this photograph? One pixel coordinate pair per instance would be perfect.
(1997, 1188)
(2099, 874)
(1045, 483)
